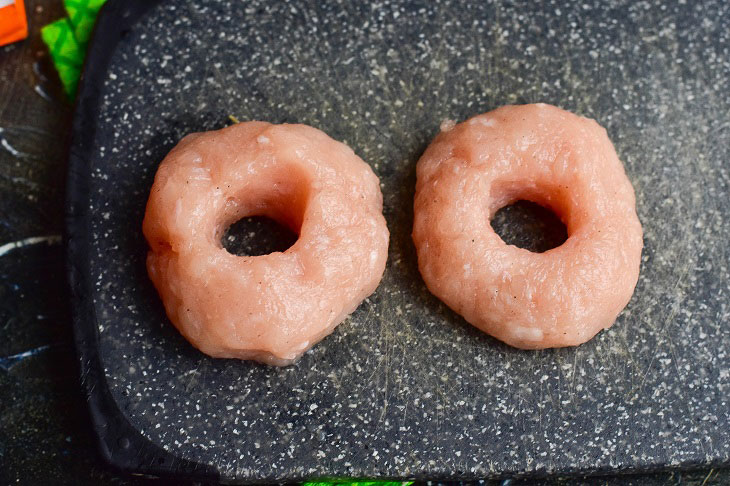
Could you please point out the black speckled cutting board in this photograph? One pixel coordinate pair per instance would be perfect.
(405, 388)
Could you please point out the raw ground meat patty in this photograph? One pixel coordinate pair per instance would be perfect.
(269, 308)
(561, 297)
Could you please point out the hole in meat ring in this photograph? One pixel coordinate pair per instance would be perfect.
(257, 235)
(528, 225)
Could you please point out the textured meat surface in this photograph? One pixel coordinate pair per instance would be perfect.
(269, 308)
(564, 162)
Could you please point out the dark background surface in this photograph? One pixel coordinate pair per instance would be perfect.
(404, 387)
(44, 431)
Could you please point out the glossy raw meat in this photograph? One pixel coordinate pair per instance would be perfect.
(269, 308)
(561, 297)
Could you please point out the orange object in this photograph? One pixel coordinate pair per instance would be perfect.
(13, 24)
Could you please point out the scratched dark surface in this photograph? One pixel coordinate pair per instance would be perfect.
(682, 137)
(404, 388)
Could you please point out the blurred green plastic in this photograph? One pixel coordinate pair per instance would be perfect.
(68, 38)
(82, 15)
(64, 50)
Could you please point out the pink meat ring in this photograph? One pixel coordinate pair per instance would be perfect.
(564, 162)
(269, 308)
